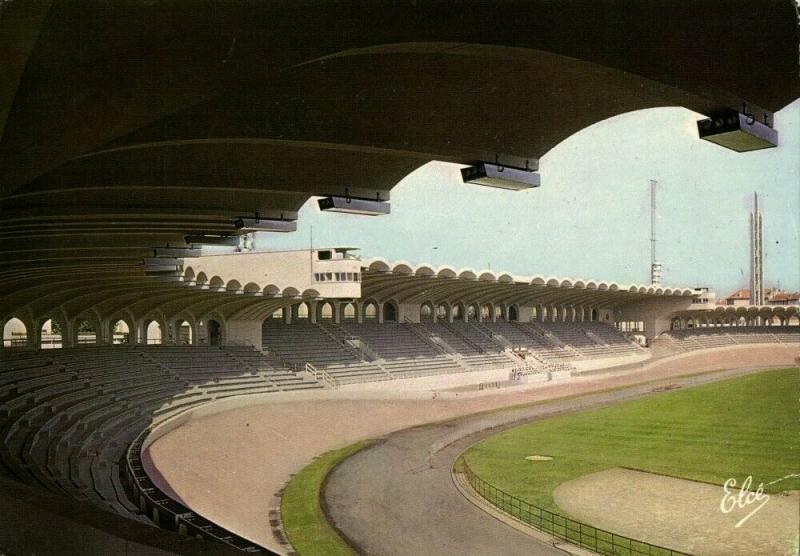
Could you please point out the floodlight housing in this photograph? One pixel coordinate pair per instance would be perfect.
(257, 224)
(353, 205)
(503, 177)
(227, 240)
(737, 132)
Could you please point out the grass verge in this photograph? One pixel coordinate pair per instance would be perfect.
(304, 521)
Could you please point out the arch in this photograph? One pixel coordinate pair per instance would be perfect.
(216, 283)
(201, 279)
(426, 312)
(52, 334)
(279, 314)
(153, 333)
(457, 311)
(348, 311)
(370, 310)
(595, 315)
(86, 332)
(513, 313)
(424, 271)
(252, 288)
(233, 286)
(390, 312)
(379, 265)
(214, 332)
(271, 290)
(188, 274)
(498, 312)
(15, 333)
(473, 311)
(467, 274)
(324, 311)
(120, 332)
(486, 311)
(403, 269)
(446, 272)
(184, 334)
(301, 311)
(794, 320)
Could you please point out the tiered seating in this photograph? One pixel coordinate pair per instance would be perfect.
(68, 415)
(475, 348)
(592, 339)
(300, 343)
(402, 353)
(787, 334)
(710, 337)
(526, 335)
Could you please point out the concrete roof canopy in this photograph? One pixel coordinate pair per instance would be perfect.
(169, 135)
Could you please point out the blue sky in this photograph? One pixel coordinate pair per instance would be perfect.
(590, 218)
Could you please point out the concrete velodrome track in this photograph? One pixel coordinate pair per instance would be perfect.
(228, 465)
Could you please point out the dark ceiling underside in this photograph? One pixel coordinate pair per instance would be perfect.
(127, 125)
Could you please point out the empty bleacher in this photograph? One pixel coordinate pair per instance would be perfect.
(473, 347)
(300, 343)
(67, 416)
(711, 337)
(403, 353)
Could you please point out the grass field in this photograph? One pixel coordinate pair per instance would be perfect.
(740, 427)
(303, 519)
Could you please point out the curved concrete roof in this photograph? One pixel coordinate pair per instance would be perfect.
(119, 134)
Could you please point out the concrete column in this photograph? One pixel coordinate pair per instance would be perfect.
(34, 337)
(312, 312)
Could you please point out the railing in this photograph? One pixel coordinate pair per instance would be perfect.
(561, 527)
(321, 375)
(169, 514)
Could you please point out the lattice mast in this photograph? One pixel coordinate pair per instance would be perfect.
(655, 266)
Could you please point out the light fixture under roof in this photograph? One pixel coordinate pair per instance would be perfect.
(203, 239)
(354, 205)
(503, 177)
(737, 132)
(260, 224)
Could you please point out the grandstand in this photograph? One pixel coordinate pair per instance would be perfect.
(132, 138)
(74, 420)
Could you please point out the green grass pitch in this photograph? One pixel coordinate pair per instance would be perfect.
(731, 429)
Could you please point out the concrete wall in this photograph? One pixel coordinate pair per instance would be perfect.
(244, 332)
(656, 313)
(284, 269)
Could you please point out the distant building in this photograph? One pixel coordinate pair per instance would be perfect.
(771, 296)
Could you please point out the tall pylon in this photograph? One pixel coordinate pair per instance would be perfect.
(655, 266)
(756, 255)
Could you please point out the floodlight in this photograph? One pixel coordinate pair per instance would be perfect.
(503, 177)
(228, 240)
(353, 205)
(259, 224)
(737, 132)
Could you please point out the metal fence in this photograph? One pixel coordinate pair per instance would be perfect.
(561, 527)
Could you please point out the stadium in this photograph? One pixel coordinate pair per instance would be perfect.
(168, 388)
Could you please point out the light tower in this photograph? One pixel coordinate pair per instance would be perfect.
(655, 266)
(756, 255)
